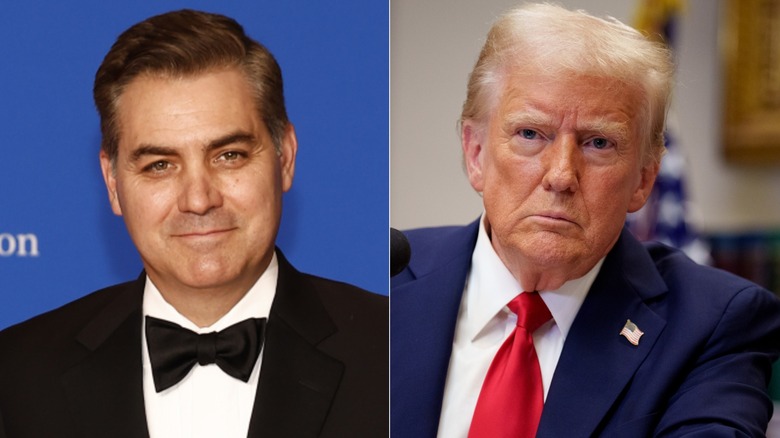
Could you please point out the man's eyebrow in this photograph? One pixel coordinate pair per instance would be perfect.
(528, 116)
(150, 149)
(604, 126)
(232, 138)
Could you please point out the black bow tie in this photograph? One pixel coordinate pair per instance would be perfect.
(174, 350)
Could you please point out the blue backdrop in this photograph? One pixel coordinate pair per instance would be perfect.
(58, 237)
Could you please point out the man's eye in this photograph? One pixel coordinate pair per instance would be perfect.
(158, 166)
(528, 134)
(230, 156)
(600, 143)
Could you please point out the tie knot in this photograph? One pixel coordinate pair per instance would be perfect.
(207, 348)
(530, 310)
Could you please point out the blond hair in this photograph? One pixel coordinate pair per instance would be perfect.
(551, 39)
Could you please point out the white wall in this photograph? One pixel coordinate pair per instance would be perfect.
(434, 44)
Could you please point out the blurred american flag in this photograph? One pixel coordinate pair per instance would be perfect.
(665, 216)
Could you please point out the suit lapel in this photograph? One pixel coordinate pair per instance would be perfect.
(105, 389)
(297, 381)
(422, 321)
(597, 363)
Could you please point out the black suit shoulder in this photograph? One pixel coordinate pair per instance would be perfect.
(349, 305)
(327, 355)
(38, 354)
(361, 342)
(362, 322)
(44, 337)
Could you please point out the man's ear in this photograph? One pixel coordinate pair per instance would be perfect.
(287, 152)
(648, 173)
(109, 176)
(472, 141)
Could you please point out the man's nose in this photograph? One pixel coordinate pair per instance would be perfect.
(199, 192)
(562, 160)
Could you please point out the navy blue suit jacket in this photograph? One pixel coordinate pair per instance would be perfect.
(701, 368)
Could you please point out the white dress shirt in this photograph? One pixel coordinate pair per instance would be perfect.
(484, 323)
(207, 402)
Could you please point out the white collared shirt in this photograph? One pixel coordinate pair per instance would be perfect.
(484, 323)
(207, 402)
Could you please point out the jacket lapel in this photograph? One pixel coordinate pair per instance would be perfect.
(597, 363)
(105, 389)
(422, 321)
(297, 381)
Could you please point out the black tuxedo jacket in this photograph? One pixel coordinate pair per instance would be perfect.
(77, 371)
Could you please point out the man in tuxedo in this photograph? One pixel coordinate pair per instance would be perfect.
(545, 317)
(220, 335)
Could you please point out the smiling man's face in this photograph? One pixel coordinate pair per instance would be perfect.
(198, 180)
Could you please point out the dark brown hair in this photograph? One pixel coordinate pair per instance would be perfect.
(186, 43)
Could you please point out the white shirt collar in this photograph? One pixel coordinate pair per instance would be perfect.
(255, 304)
(491, 286)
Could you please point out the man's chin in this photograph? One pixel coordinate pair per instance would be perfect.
(551, 250)
(199, 277)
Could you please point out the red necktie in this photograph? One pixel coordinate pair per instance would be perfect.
(512, 397)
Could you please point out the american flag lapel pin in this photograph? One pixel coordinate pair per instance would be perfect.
(631, 332)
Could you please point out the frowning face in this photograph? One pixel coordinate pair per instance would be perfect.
(559, 164)
(198, 180)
